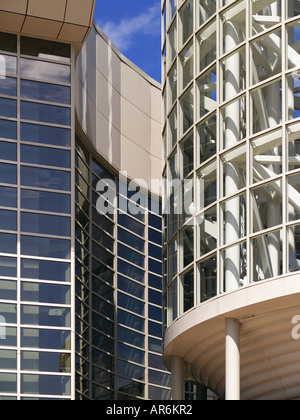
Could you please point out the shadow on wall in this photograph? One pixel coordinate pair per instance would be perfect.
(98, 99)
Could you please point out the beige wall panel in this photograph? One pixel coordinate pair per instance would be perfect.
(52, 10)
(108, 141)
(73, 33)
(108, 63)
(156, 142)
(14, 6)
(135, 161)
(79, 12)
(135, 89)
(11, 22)
(156, 104)
(108, 101)
(36, 26)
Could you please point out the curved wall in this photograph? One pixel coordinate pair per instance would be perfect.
(119, 108)
(231, 130)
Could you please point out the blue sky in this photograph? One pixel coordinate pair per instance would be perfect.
(134, 27)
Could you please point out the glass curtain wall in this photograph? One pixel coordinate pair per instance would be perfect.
(35, 219)
(118, 289)
(232, 129)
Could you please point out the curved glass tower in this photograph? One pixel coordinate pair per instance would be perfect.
(232, 148)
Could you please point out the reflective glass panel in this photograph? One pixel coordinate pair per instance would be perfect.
(45, 201)
(45, 92)
(45, 156)
(45, 270)
(45, 178)
(45, 135)
(45, 113)
(45, 247)
(45, 71)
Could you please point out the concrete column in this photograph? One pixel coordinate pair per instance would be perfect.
(233, 375)
(177, 378)
(232, 179)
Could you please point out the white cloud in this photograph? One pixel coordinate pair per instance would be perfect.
(122, 34)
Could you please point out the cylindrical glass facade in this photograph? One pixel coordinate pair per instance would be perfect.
(232, 146)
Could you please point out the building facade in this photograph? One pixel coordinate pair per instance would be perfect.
(231, 251)
(80, 269)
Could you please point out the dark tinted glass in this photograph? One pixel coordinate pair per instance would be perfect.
(51, 385)
(45, 92)
(8, 42)
(131, 224)
(45, 113)
(131, 287)
(131, 240)
(131, 304)
(45, 49)
(131, 354)
(130, 255)
(45, 201)
(131, 337)
(45, 135)
(131, 271)
(8, 290)
(131, 321)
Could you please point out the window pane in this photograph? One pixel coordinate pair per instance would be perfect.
(9, 312)
(45, 339)
(45, 270)
(131, 287)
(43, 315)
(8, 244)
(8, 291)
(45, 71)
(131, 304)
(131, 321)
(8, 220)
(8, 382)
(44, 156)
(131, 337)
(131, 271)
(46, 362)
(8, 86)
(8, 151)
(8, 108)
(49, 225)
(8, 129)
(132, 240)
(131, 354)
(45, 178)
(208, 279)
(45, 135)
(44, 384)
(131, 256)
(45, 201)
(8, 173)
(8, 266)
(45, 113)
(8, 65)
(45, 247)
(45, 49)
(45, 92)
(8, 360)
(45, 293)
